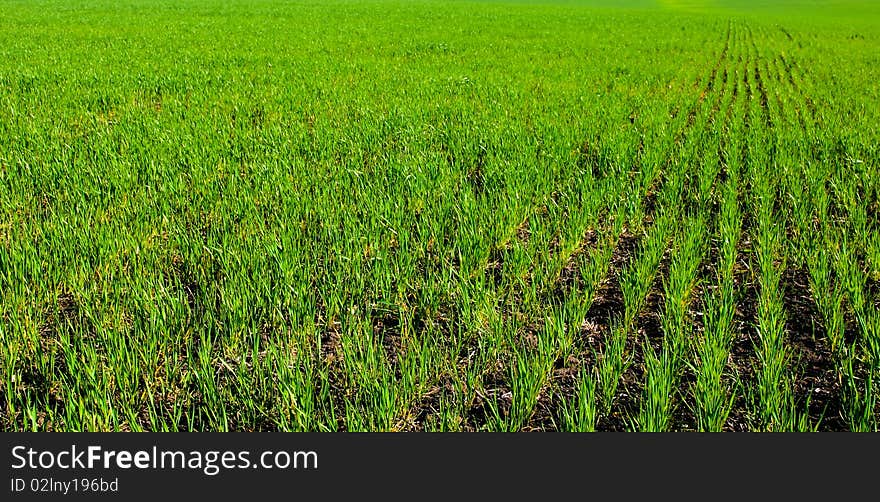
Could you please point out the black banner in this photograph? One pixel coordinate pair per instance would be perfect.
(234, 466)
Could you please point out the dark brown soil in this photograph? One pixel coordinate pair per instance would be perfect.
(649, 330)
(608, 301)
(743, 358)
(569, 277)
(496, 390)
(816, 378)
(388, 330)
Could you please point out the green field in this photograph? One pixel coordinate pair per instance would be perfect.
(439, 215)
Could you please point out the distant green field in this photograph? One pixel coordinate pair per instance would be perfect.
(439, 215)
